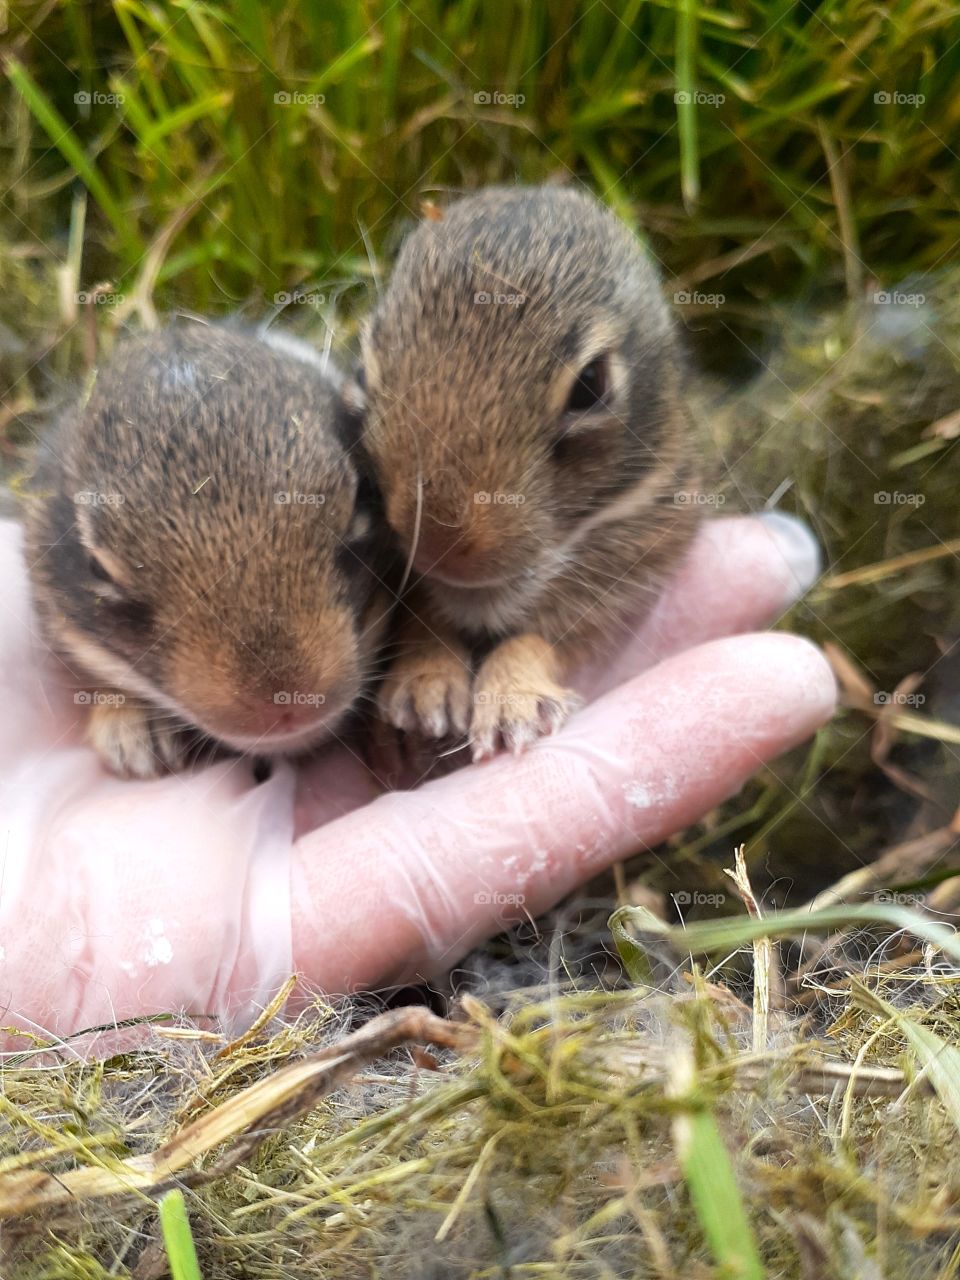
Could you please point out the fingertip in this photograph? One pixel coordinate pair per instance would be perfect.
(796, 545)
(808, 681)
(774, 555)
(773, 687)
(741, 573)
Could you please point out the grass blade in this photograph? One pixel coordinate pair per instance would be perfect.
(62, 137)
(939, 1060)
(711, 1181)
(687, 103)
(732, 932)
(178, 1238)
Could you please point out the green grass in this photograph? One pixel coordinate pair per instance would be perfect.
(184, 129)
(178, 1238)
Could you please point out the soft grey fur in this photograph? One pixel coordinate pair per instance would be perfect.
(468, 397)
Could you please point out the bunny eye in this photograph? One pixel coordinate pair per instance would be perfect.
(361, 526)
(591, 386)
(366, 512)
(110, 578)
(99, 571)
(124, 611)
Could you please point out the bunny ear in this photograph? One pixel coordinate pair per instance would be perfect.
(354, 392)
(366, 369)
(430, 211)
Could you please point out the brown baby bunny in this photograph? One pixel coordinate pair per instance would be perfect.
(522, 384)
(203, 551)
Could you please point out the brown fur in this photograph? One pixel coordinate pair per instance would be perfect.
(526, 518)
(166, 567)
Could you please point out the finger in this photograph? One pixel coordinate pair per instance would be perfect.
(332, 782)
(741, 574)
(410, 884)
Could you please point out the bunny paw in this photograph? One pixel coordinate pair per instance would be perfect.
(517, 699)
(131, 742)
(428, 692)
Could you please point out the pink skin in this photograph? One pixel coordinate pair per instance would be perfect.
(204, 891)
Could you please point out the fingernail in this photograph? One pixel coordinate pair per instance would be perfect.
(799, 548)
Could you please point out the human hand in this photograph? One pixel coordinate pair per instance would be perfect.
(204, 891)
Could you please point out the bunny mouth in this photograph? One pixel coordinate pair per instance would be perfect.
(463, 582)
(287, 723)
(479, 610)
(282, 742)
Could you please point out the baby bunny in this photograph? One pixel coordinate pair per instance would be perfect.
(522, 383)
(203, 551)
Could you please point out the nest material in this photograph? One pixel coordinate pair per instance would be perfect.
(551, 1141)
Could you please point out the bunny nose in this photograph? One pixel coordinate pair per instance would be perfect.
(283, 718)
(438, 547)
(452, 543)
(277, 715)
(454, 555)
